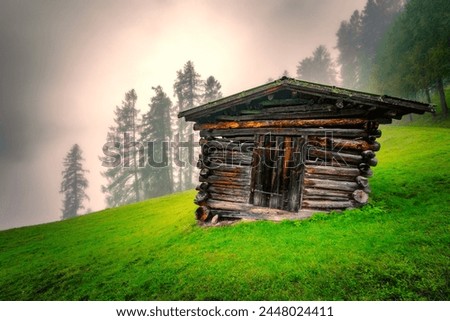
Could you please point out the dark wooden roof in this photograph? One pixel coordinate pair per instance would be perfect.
(288, 96)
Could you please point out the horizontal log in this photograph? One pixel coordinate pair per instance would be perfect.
(243, 139)
(300, 102)
(333, 122)
(229, 190)
(295, 107)
(328, 163)
(288, 113)
(240, 174)
(230, 198)
(334, 185)
(331, 177)
(225, 180)
(308, 191)
(338, 156)
(211, 145)
(336, 132)
(227, 167)
(235, 139)
(325, 198)
(264, 216)
(329, 205)
(344, 144)
(250, 208)
(230, 154)
(230, 161)
(244, 188)
(330, 170)
(255, 212)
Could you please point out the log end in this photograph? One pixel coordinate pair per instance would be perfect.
(373, 162)
(201, 198)
(202, 213)
(360, 196)
(362, 181)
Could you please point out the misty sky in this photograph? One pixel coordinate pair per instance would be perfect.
(66, 64)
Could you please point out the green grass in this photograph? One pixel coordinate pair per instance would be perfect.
(396, 248)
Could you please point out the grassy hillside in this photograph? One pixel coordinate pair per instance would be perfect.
(396, 248)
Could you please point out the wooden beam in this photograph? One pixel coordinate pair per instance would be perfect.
(264, 216)
(328, 204)
(220, 189)
(331, 177)
(286, 114)
(308, 191)
(339, 157)
(360, 145)
(239, 210)
(249, 208)
(225, 180)
(333, 122)
(336, 132)
(330, 170)
(334, 185)
(325, 198)
(229, 198)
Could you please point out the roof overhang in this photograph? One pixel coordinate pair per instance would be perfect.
(400, 105)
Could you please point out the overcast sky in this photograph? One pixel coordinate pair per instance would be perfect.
(66, 64)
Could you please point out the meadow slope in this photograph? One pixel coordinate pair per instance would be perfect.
(395, 248)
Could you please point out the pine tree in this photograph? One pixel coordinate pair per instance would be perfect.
(123, 184)
(74, 183)
(376, 18)
(349, 47)
(359, 40)
(211, 89)
(187, 90)
(319, 68)
(285, 74)
(415, 54)
(156, 176)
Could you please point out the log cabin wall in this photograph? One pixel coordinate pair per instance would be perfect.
(330, 167)
(288, 149)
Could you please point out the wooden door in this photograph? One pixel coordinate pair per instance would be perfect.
(277, 172)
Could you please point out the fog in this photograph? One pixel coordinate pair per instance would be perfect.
(65, 65)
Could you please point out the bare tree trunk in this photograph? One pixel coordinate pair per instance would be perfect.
(427, 94)
(440, 88)
(135, 165)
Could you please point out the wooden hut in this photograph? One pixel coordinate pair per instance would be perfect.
(289, 148)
